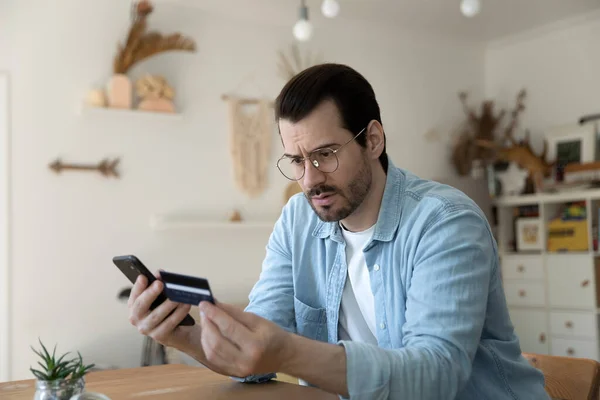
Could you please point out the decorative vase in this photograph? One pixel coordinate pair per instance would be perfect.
(60, 389)
(120, 91)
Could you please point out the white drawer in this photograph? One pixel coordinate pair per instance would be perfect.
(531, 327)
(571, 282)
(582, 325)
(524, 293)
(579, 348)
(523, 267)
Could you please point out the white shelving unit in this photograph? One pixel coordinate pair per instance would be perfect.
(173, 222)
(552, 296)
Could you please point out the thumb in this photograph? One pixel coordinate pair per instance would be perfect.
(157, 273)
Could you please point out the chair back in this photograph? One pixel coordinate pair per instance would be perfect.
(568, 378)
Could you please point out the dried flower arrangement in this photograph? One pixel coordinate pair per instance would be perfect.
(478, 143)
(139, 45)
(482, 127)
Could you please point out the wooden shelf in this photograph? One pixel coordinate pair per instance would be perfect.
(89, 110)
(166, 222)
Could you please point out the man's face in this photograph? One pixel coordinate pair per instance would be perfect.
(333, 196)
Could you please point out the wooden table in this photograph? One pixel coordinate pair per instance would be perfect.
(173, 382)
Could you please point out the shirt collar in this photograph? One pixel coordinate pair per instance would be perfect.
(389, 212)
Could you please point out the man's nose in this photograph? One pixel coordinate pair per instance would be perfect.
(312, 176)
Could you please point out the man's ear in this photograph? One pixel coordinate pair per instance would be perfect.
(375, 139)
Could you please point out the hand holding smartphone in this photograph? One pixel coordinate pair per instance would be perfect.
(132, 268)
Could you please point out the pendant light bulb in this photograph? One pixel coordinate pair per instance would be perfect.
(470, 8)
(330, 8)
(303, 28)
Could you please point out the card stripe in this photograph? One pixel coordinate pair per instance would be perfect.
(187, 289)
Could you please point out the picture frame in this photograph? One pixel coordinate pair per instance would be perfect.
(571, 143)
(529, 234)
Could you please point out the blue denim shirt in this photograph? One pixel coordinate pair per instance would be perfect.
(443, 328)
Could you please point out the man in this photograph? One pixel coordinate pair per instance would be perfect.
(376, 284)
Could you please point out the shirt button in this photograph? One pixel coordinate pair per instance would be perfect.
(376, 267)
(382, 325)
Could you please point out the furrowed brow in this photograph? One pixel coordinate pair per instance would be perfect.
(316, 148)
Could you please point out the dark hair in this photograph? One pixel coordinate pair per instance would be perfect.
(349, 90)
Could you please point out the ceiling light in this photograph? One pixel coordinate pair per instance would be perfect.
(303, 28)
(330, 8)
(470, 8)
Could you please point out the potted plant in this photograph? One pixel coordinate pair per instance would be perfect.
(58, 378)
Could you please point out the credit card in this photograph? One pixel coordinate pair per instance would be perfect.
(186, 289)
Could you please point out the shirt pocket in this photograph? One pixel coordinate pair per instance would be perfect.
(310, 322)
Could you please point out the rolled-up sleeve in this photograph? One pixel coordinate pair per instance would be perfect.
(446, 303)
(272, 297)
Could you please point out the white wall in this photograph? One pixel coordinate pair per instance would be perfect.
(4, 198)
(4, 228)
(557, 64)
(68, 227)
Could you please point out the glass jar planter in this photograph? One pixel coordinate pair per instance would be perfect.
(60, 389)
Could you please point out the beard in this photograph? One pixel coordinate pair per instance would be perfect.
(350, 198)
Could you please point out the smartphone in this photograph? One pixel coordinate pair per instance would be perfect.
(132, 267)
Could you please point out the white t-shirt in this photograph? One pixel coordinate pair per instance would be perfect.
(357, 311)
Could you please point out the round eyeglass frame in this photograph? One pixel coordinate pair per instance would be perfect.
(315, 163)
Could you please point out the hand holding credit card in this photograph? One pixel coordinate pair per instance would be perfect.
(186, 289)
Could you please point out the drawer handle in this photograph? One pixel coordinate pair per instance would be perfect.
(522, 293)
(585, 283)
(570, 351)
(569, 324)
(542, 338)
(521, 268)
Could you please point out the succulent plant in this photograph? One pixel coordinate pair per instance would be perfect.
(53, 369)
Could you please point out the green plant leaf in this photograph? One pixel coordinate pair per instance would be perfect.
(42, 365)
(48, 360)
(47, 355)
(38, 374)
(63, 368)
(60, 360)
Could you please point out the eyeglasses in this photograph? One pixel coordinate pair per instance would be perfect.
(324, 159)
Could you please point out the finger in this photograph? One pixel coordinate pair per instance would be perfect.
(156, 317)
(229, 327)
(141, 306)
(139, 286)
(164, 330)
(219, 351)
(246, 318)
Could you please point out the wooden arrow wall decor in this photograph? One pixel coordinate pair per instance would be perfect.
(105, 167)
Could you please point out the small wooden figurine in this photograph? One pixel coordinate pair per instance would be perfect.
(156, 94)
(235, 216)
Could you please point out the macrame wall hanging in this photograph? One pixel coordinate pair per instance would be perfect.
(250, 130)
